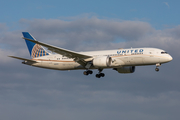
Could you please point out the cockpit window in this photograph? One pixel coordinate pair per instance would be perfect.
(164, 53)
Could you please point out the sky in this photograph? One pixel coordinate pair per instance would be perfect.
(34, 93)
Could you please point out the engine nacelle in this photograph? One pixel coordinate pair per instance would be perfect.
(104, 61)
(127, 69)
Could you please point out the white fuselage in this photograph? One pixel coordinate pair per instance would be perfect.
(120, 58)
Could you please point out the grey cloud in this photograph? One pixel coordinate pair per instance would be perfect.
(93, 25)
(3, 27)
(34, 93)
(87, 31)
(174, 31)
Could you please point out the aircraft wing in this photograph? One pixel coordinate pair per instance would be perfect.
(80, 58)
(22, 58)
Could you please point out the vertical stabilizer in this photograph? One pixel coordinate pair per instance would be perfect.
(35, 50)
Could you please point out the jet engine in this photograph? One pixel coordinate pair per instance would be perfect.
(127, 69)
(104, 61)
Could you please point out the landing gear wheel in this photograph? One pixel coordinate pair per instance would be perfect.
(98, 76)
(85, 73)
(157, 69)
(88, 72)
(102, 74)
(157, 65)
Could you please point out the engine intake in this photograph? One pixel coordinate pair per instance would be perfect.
(104, 61)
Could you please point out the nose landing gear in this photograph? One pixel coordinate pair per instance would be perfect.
(157, 69)
(157, 65)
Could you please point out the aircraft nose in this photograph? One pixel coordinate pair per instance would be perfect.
(170, 58)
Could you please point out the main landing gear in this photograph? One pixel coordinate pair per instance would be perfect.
(157, 65)
(88, 72)
(100, 74)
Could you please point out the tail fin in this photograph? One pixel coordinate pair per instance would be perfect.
(35, 50)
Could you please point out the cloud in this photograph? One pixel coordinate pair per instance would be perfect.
(166, 3)
(87, 31)
(28, 93)
(3, 27)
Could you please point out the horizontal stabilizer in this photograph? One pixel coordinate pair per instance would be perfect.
(22, 58)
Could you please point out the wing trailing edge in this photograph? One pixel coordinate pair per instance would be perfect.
(62, 51)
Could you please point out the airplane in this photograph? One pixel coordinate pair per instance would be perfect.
(122, 60)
